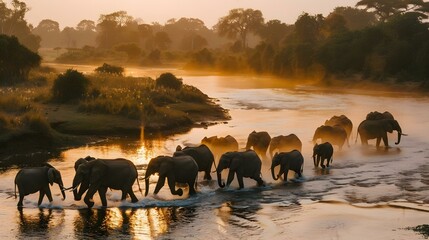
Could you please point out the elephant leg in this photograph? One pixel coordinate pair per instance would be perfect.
(285, 175)
(314, 161)
(159, 184)
(385, 140)
(48, 194)
(102, 193)
(259, 180)
(132, 195)
(240, 181)
(207, 175)
(192, 187)
(377, 144)
(21, 198)
(230, 177)
(299, 172)
(322, 164)
(172, 185)
(41, 195)
(319, 160)
(327, 162)
(124, 194)
(88, 197)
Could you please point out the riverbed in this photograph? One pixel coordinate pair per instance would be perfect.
(366, 193)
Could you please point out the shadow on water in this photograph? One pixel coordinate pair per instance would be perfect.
(123, 222)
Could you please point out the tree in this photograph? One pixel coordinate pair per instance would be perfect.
(115, 28)
(15, 60)
(356, 19)
(384, 9)
(69, 86)
(274, 31)
(49, 31)
(12, 23)
(308, 28)
(131, 49)
(238, 23)
(86, 26)
(162, 40)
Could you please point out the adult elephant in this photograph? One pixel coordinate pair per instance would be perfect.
(244, 164)
(220, 145)
(378, 129)
(379, 116)
(342, 121)
(284, 144)
(292, 160)
(259, 141)
(38, 179)
(336, 135)
(100, 174)
(322, 152)
(202, 156)
(179, 169)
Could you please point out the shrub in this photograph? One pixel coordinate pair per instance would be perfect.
(110, 69)
(71, 85)
(168, 80)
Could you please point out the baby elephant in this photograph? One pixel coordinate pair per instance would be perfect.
(321, 152)
(292, 160)
(31, 180)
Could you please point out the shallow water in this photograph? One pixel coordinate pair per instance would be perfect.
(370, 193)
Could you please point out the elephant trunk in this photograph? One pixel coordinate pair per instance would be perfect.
(76, 183)
(219, 179)
(62, 189)
(399, 136)
(272, 173)
(314, 160)
(146, 180)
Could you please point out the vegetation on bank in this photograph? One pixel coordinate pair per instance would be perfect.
(46, 110)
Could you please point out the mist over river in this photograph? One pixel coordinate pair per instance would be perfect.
(366, 193)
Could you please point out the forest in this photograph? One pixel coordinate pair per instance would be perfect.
(375, 40)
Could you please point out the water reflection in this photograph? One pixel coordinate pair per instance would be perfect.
(122, 222)
(40, 222)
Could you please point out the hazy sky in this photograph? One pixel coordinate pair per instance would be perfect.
(70, 12)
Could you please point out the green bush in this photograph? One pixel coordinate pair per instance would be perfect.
(168, 80)
(110, 69)
(71, 85)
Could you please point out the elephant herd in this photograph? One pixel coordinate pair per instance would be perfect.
(98, 175)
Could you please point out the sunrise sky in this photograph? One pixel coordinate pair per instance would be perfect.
(71, 12)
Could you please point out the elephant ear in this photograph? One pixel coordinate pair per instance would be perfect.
(98, 171)
(389, 126)
(51, 176)
(166, 166)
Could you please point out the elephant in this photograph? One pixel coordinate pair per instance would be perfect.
(244, 164)
(202, 156)
(31, 180)
(335, 135)
(379, 116)
(100, 174)
(284, 144)
(342, 121)
(292, 160)
(321, 152)
(220, 145)
(259, 141)
(370, 129)
(178, 169)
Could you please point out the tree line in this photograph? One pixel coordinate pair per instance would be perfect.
(376, 39)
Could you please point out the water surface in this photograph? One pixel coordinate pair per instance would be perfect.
(369, 193)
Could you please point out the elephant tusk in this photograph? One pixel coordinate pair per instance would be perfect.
(403, 134)
(72, 188)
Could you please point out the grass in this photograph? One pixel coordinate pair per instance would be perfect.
(114, 105)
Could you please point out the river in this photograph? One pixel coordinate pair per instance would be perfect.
(366, 193)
